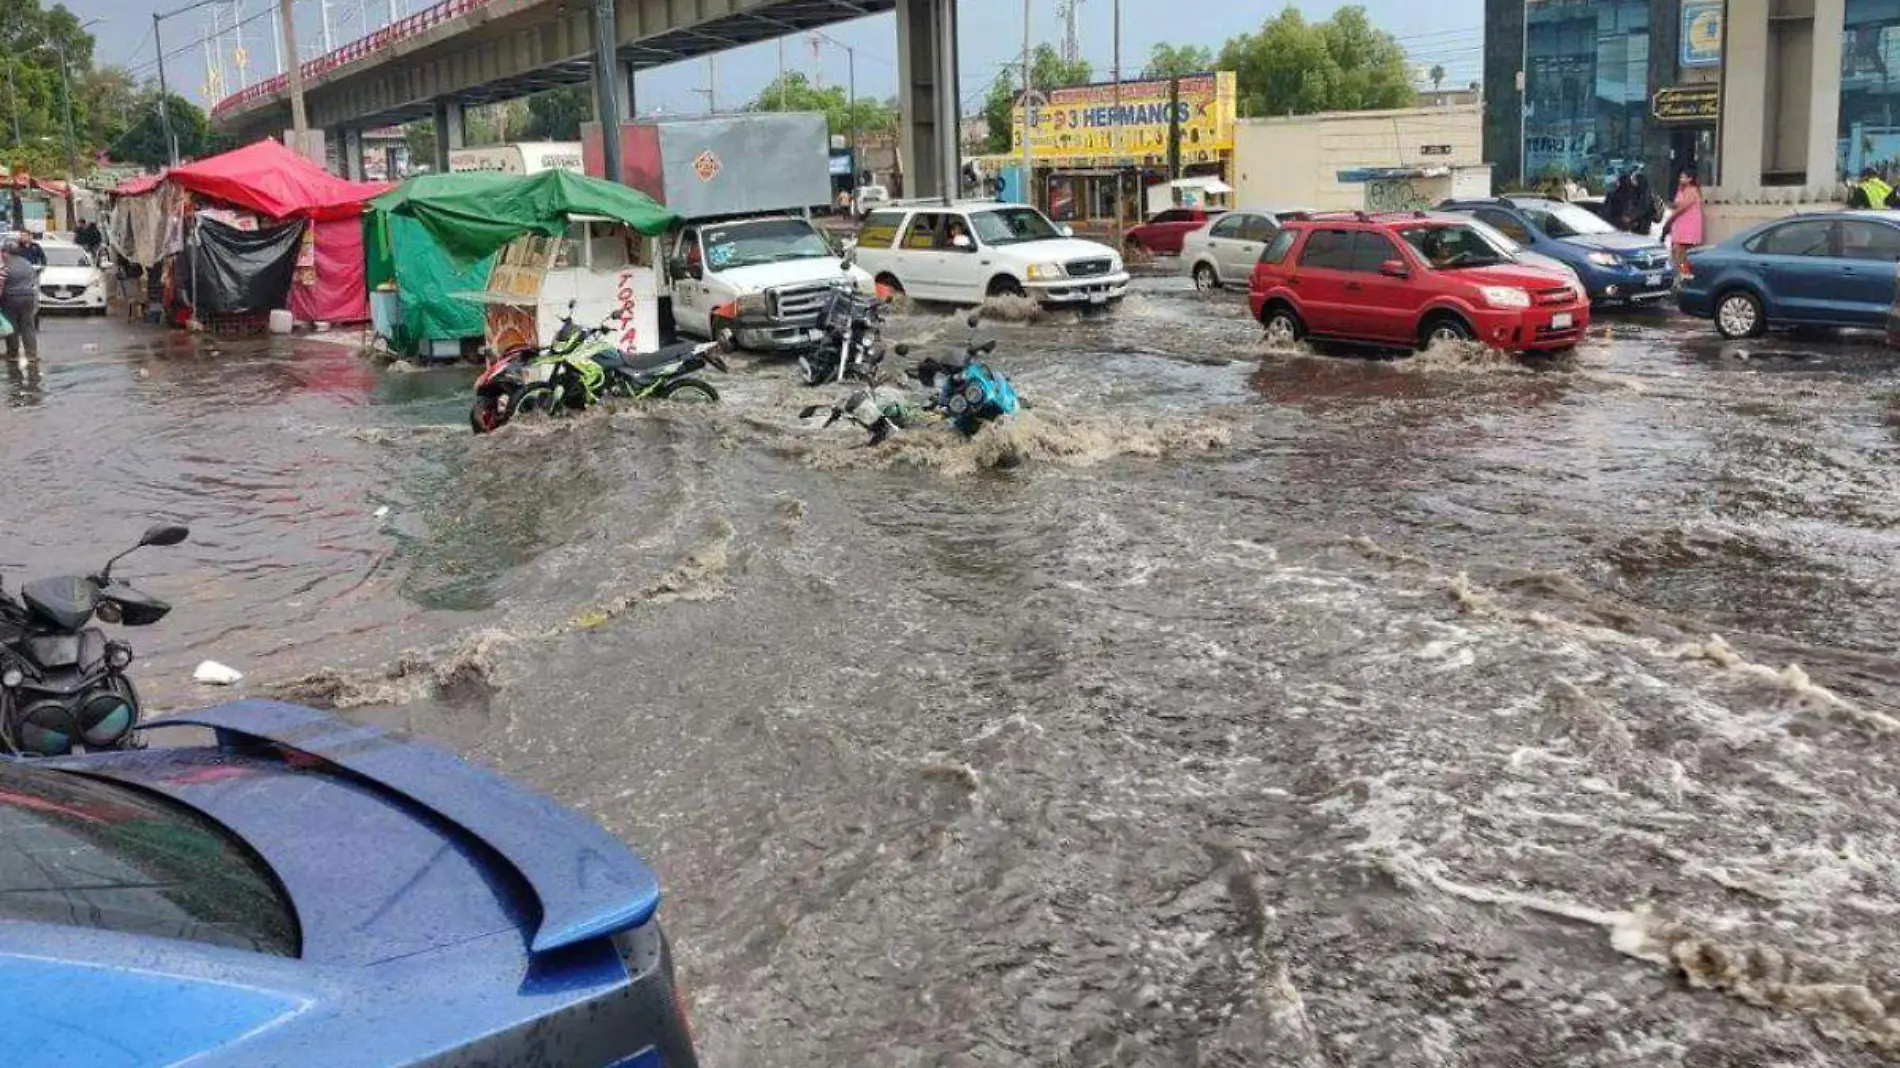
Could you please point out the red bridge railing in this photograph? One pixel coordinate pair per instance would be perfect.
(363, 47)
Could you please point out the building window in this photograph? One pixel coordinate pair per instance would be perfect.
(1586, 87)
(1870, 87)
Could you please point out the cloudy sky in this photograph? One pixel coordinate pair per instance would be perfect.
(1433, 31)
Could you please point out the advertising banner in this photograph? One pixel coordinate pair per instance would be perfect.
(1083, 122)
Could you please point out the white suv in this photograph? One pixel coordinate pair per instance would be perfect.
(970, 252)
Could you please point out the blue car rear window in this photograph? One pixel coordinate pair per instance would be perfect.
(85, 853)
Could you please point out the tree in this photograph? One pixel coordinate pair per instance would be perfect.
(557, 114)
(1169, 61)
(143, 141)
(1437, 76)
(1048, 70)
(794, 92)
(420, 137)
(1293, 67)
(112, 95)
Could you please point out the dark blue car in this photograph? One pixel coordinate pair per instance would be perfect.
(1611, 264)
(1835, 269)
(313, 892)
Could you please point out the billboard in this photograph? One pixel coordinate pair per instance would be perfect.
(1083, 122)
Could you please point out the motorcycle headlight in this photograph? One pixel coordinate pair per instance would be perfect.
(1505, 297)
(1605, 259)
(106, 717)
(43, 728)
(11, 678)
(119, 656)
(866, 285)
(1042, 272)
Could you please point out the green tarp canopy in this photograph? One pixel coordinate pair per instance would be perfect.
(473, 215)
(428, 282)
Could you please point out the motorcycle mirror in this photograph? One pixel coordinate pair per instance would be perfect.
(902, 350)
(976, 320)
(164, 534)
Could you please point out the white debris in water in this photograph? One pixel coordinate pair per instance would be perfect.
(212, 673)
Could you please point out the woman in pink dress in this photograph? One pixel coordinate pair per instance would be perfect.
(1685, 225)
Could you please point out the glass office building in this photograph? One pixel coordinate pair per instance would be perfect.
(1870, 87)
(1587, 87)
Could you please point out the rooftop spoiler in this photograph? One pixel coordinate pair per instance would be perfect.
(588, 882)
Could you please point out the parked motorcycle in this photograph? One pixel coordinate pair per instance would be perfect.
(62, 683)
(967, 392)
(580, 367)
(852, 344)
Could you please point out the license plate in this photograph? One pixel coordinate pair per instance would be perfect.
(1561, 321)
(1654, 278)
(1098, 298)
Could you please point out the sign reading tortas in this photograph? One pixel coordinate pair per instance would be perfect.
(1687, 103)
(1084, 122)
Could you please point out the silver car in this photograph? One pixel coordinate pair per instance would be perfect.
(1223, 252)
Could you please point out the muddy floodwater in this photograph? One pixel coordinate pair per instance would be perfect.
(1234, 707)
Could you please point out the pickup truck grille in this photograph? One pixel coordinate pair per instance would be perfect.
(799, 305)
(1089, 268)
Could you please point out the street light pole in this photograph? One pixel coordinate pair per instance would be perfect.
(66, 99)
(1029, 166)
(164, 92)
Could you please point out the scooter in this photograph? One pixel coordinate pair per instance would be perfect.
(62, 683)
(579, 368)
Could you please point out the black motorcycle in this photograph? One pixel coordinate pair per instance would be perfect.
(62, 683)
(851, 344)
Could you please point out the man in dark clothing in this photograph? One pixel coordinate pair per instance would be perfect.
(1616, 205)
(20, 297)
(31, 249)
(89, 238)
(1644, 210)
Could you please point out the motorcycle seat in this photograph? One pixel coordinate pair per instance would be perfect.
(650, 361)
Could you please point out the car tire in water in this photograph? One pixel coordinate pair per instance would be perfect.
(1738, 315)
(1283, 326)
(689, 391)
(1005, 286)
(1445, 330)
(1205, 278)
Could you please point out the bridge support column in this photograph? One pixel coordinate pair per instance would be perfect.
(349, 152)
(928, 97)
(451, 130)
(623, 90)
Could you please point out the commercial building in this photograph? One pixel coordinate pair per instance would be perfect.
(1296, 162)
(1094, 146)
(1771, 102)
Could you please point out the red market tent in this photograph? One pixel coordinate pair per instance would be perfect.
(137, 187)
(275, 182)
(272, 181)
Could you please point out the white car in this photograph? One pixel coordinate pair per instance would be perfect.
(870, 198)
(71, 280)
(967, 253)
(1223, 252)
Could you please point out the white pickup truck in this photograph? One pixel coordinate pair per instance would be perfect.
(764, 279)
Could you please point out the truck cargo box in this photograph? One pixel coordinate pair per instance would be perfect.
(750, 164)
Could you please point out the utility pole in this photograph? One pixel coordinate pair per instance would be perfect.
(781, 74)
(72, 156)
(606, 91)
(299, 119)
(1029, 166)
(13, 100)
(1115, 131)
(277, 37)
(1174, 128)
(323, 14)
(164, 95)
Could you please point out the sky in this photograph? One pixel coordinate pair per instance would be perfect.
(1447, 32)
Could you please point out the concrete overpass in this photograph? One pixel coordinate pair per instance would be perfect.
(438, 61)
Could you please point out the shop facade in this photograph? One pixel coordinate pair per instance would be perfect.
(1097, 149)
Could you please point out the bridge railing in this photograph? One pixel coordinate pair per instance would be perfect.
(413, 25)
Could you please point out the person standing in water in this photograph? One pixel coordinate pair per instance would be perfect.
(20, 298)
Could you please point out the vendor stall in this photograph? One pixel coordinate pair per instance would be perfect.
(550, 238)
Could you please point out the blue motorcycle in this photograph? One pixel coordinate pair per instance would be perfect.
(966, 391)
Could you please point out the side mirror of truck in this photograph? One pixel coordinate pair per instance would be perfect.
(681, 267)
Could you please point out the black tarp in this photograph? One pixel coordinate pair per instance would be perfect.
(240, 272)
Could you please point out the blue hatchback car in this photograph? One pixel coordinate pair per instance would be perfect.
(309, 891)
(1611, 264)
(1834, 269)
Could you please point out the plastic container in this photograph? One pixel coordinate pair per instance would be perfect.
(280, 321)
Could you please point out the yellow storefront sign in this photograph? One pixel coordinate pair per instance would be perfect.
(1084, 123)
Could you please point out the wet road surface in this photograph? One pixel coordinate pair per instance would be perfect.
(1236, 707)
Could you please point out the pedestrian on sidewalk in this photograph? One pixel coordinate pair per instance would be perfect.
(1684, 228)
(20, 298)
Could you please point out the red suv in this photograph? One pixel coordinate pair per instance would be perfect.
(1164, 232)
(1410, 280)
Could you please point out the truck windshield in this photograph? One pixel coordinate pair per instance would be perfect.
(1450, 248)
(1012, 226)
(767, 241)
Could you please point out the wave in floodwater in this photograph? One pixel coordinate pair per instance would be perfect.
(1030, 437)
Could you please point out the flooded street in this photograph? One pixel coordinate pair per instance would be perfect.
(1235, 707)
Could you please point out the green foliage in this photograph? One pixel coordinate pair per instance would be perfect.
(1048, 70)
(143, 140)
(795, 92)
(1169, 61)
(420, 137)
(1295, 67)
(557, 114)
